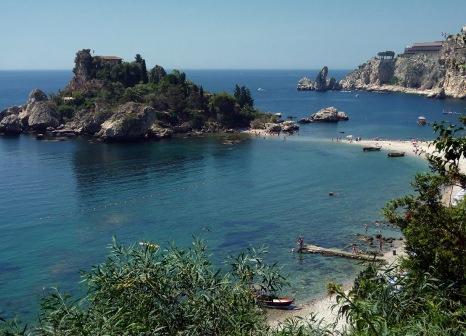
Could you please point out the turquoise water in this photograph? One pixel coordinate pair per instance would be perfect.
(61, 202)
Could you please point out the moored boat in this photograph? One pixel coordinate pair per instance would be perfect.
(396, 154)
(421, 120)
(371, 148)
(276, 302)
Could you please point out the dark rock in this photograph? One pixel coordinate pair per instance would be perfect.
(320, 83)
(11, 124)
(183, 128)
(305, 120)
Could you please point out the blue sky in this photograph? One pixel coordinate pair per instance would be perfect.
(208, 34)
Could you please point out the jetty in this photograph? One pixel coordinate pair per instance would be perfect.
(314, 249)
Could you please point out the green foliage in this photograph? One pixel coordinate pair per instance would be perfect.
(395, 302)
(66, 111)
(156, 74)
(387, 53)
(260, 119)
(243, 96)
(394, 81)
(142, 290)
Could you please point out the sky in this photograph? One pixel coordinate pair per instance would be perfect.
(216, 34)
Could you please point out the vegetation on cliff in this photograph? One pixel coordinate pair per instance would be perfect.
(181, 99)
(101, 86)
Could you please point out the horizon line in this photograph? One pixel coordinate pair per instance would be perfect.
(202, 69)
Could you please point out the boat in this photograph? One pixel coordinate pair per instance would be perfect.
(395, 154)
(260, 89)
(372, 148)
(278, 114)
(276, 302)
(421, 120)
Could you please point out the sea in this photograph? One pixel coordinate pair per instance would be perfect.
(62, 202)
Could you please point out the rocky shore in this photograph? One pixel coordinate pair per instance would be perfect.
(425, 71)
(434, 70)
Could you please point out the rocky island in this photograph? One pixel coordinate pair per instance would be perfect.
(327, 114)
(114, 100)
(321, 83)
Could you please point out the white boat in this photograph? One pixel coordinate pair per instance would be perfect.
(421, 120)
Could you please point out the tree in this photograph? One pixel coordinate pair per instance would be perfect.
(144, 290)
(156, 74)
(243, 96)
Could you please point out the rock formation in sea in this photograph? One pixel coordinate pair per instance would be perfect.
(435, 69)
(117, 101)
(321, 83)
(327, 114)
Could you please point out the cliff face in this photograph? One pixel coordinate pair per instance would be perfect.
(453, 57)
(432, 74)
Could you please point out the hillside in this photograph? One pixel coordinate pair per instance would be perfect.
(421, 69)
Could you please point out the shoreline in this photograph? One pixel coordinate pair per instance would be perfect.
(322, 306)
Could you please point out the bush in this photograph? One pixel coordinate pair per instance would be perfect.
(144, 290)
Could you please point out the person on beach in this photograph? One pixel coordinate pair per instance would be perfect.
(380, 244)
(354, 248)
(366, 227)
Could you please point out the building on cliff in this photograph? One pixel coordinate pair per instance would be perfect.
(426, 48)
(110, 60)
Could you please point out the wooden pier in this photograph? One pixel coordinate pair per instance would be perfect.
(339, 253)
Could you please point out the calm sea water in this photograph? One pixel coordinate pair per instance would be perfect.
(61, 202)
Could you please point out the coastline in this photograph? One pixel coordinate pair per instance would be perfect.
(323, 306)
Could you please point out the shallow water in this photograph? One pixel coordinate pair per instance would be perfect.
(61, 202)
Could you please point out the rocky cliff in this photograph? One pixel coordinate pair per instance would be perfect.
(435, 74)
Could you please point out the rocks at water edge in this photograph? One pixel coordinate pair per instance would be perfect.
(130, 121)
(327, 114)
(38, 114)
(288, 126)
(321, 83)
(11, 124)
(42, 115)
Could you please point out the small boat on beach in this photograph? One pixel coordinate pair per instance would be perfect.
(276, 302)
(372, 148)
(395, 154)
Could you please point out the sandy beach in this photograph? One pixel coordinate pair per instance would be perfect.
(323, 307)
